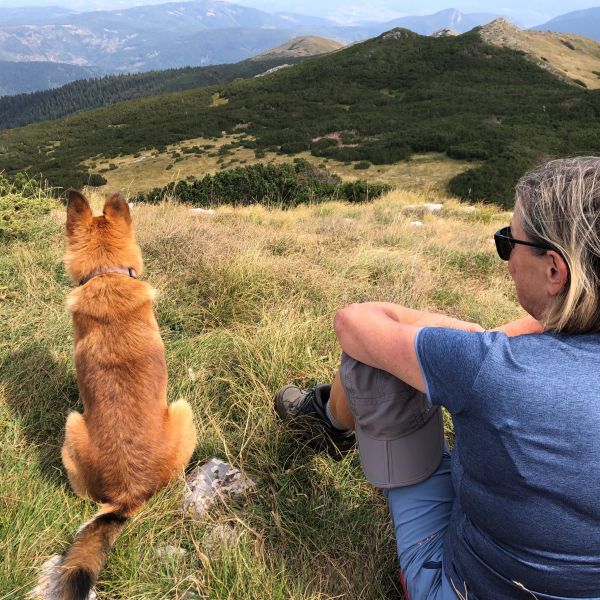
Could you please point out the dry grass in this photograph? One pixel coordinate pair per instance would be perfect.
(131, 174)
(247, 298)
(566, 55)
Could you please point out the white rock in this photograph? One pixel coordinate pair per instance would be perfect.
(419, 209)
(416, 223)
(212, 480)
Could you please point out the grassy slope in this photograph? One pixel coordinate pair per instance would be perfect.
(305, 45)
(430, 94)
(246, 303)
(572, 57)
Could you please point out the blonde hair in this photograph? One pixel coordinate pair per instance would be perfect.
(559, 204)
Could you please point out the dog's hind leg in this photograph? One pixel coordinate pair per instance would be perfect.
(181, 433)
(75, 447)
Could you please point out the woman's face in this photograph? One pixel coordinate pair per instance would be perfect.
(530, 271)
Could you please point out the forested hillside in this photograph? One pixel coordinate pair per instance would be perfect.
(86, 94)
(378, 101)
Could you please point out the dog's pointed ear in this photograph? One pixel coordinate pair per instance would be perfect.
(78, 210)
(116, 207)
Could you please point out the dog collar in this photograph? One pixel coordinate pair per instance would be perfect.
(120, 270)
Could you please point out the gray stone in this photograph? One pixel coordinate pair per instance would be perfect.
(213, 480)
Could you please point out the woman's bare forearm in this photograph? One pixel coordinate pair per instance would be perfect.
(420, 318)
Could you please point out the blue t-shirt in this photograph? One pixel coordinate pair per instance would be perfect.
(526, 465)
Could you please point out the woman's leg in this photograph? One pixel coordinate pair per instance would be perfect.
(420, 511)
(402, 449)
(338, 404)
(420, 515)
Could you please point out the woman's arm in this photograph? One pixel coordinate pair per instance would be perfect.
(382, 335)
(522, 326)
(421, 318)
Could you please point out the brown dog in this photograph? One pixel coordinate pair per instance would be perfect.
(128, 443)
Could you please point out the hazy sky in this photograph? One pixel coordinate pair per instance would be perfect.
(529, 13)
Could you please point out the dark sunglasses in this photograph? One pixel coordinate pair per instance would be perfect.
(505, 243)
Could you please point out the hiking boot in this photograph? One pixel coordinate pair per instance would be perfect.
(306, 408)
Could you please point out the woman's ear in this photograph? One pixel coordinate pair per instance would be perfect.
(557, 273)
(78, 211)
(116, 207)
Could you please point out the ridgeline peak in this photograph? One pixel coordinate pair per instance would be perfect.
(399, 33)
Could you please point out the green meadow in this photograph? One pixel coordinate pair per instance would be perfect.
(246, 302)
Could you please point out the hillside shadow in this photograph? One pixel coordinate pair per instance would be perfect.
(40, 392)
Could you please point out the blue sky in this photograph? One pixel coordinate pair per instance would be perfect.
(529, 13)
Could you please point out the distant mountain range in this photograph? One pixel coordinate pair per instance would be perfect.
(191, 33)
(197, 33)
(178, 34)
(582, 22)
(86, 94)
(32, 15)
(450, 18)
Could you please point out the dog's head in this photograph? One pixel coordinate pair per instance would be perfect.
(101, 242)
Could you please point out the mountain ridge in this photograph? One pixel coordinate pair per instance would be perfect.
(301, 46)
(192, 33)
(572, 58)
(389, 97)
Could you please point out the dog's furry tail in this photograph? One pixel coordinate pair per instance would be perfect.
(87, 555)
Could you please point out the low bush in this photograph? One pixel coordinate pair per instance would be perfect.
(376, 152)
(96, 180)
(494, 181)
(285, 185)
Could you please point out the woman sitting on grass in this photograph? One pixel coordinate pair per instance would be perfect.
(515, 511)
